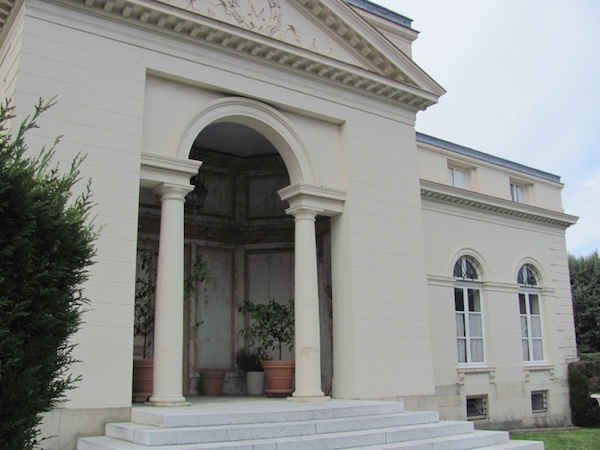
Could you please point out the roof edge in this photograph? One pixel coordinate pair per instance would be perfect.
(382, 12)
(466, 151)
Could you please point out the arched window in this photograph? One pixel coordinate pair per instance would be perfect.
(467, 268)
(531, 317)
(468, 311)
(527, 275)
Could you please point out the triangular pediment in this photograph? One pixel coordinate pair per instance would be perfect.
(327, 28)
(285, 21)
(322, 38)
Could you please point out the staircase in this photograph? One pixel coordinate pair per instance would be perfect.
(270, 424)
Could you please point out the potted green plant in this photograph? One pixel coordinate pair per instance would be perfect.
(271, 327)
(143, 325)
(145, 290)
(250, 364)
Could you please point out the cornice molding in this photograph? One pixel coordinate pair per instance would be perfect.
(325, 200)
(157, 169)
(385, 80)
(451, 195)
(6, 8)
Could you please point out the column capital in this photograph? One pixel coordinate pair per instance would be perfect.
(303, 212)
(173, 191)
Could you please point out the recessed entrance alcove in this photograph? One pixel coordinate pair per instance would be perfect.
(242, 232)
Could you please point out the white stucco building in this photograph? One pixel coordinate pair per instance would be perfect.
(421, 270)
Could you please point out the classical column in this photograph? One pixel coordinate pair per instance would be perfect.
(306, 306)
(168, 324)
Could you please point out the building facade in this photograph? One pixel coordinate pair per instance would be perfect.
(420, 270)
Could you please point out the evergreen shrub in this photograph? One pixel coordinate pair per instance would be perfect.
(584, 380)
(46, 244)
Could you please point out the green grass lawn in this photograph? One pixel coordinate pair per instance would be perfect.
(582, 439)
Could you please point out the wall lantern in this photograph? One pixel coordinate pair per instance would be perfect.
(196, 198)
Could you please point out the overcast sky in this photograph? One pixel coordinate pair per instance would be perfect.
(523, 83)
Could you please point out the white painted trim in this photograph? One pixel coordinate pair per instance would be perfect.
(327, 201)
(266, 120)
(157, 169)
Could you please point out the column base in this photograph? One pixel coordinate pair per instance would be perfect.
(309, 397)
(168, 401)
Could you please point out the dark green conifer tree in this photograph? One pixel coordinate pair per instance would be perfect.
(585, 287)
(46, 244)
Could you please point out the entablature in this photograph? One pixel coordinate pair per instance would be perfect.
(455, 196)
(381, 77)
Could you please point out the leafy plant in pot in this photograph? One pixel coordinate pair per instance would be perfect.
(145, 290)
(249, 362)
(271, 327)
(143, 325)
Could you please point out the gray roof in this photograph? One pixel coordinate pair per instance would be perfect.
(426, 139)
(381, 12)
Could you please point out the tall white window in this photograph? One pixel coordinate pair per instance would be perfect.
(517, 193)
(457, 177)
(468, 312)
(531, 318)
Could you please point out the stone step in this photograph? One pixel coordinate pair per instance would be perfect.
(278, 411)
(393, 427)
(476, 440)
(284, 425)
(151, 435)
(520, 445)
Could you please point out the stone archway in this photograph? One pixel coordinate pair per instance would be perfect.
(306, 198)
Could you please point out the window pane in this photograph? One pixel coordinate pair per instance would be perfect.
(531, 278)
(460, 325)
(458, 272)
(474, 304)
(475, 328)
(476, 350)
(459, 302)
(470, 271)
(462, 350)
(517, 193)
(524, 330)
(536, 327)
(534, 305)
(538, 353)
(460, 178)
(525, 343)
(522, 305)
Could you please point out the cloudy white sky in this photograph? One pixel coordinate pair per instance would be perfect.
(523, 83)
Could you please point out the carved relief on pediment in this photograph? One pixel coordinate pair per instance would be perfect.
(272, 18)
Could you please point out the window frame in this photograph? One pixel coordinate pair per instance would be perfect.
(467, 277)
(515, 187)
(484, 409)
(529, 317)
(528, 278)
(452, 169)
(544, 408)
(470, 320)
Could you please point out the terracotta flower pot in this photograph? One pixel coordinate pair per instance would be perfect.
(143, 379)
(212, 381)
(279, 376)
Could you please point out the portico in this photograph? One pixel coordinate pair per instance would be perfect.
(169, 177)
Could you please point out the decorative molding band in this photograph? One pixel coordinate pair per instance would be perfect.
(464, 371)
(326, 201)
(157, 169)
(451, 195)
(527, 369)
(386, 81)
(497, 286)
(440, 280)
